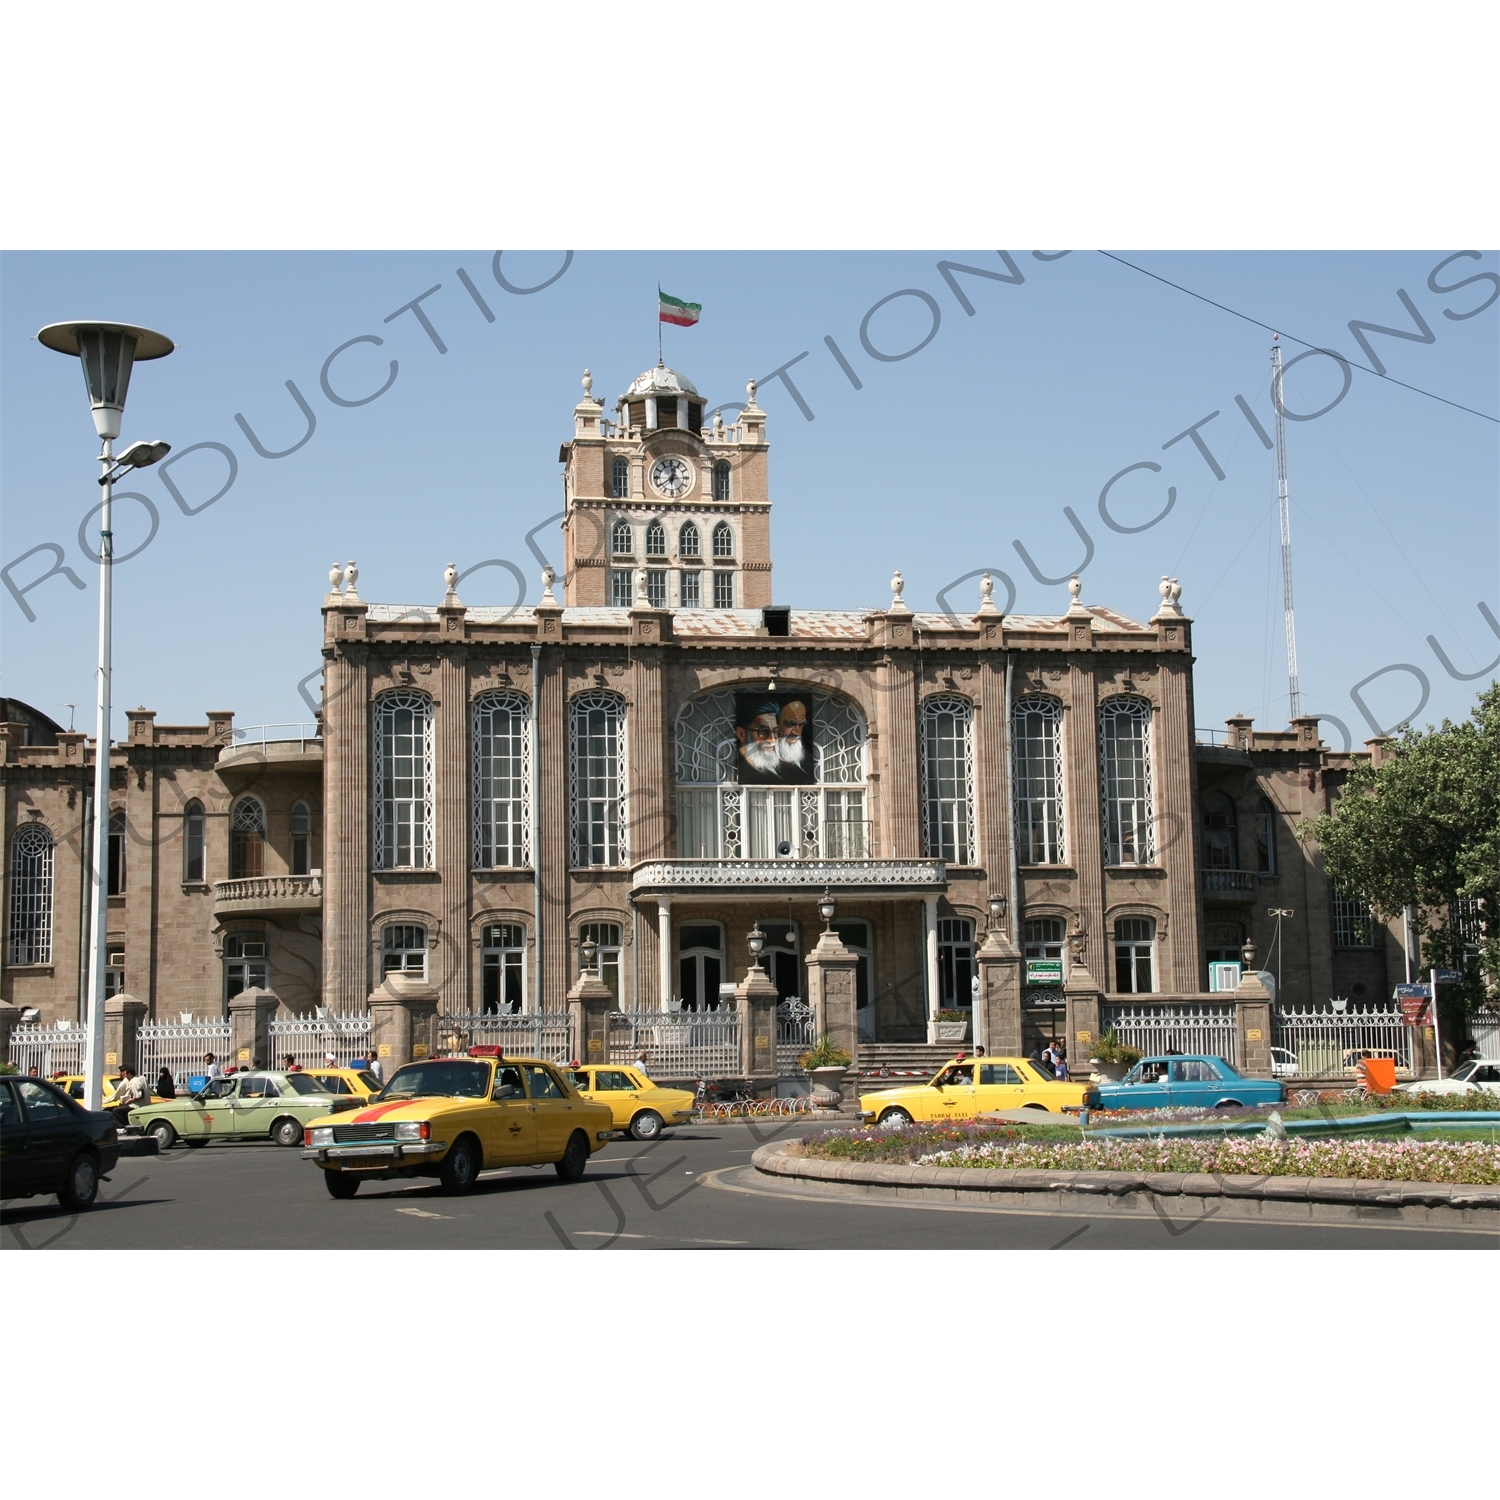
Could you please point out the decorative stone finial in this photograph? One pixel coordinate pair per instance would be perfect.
(987, 596)
(351, 579)
(335, 577)
(642, 599)
(549, 577)
(588, 383)
(1075, 604)
(718, 422)
(450, 577)
(1176, 593)
(750, 389)
(897, 584)
(1170, 591)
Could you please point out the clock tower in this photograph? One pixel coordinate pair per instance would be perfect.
(660, 508)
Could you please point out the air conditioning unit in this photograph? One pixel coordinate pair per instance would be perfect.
(115, 959)
(252, 950)
(1223, 976)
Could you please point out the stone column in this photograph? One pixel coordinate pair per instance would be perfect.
(403, 1020)
(664, 951)
(1085, 838)
(10, 1016)
(832, 972)
(1085, 1001)
(1252, 1011)
(1000, 994)
(346, 803)
(250, 1017)
(1176, 831)
(552, 856)
(452, 829)
(589, 1005)
(755, 1000)
(930, 960)
(123, 1015)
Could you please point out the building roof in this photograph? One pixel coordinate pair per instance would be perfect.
(661, 380)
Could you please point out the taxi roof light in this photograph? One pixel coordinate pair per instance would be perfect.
(488, 1049)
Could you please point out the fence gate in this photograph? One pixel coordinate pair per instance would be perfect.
(1484, 1027)
(311, 1038)
(1327, 1043)
(179, 1046)
(48, 1049)
(678, 1044)
(548, 1035)
(795, 1033)
(1154, 1029)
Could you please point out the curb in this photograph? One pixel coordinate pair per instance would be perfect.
(1178, 1194)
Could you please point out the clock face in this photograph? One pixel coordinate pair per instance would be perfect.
(671, 477)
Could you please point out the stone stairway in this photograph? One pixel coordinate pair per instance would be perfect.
(906, 1061)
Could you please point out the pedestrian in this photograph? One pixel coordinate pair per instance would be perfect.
(640, 1063)
(256, 1064)
(372, 1065)
(33, 1071)
(166, 1085)
(1049, 1059)
(290, 1064)
(979, 1052)
(330, 1061)
(1035, 1058)
(130, 1093)
(1060, 1059)
(211, 1066)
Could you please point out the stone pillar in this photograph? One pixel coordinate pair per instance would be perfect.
(930, 962)
(1252, 1011)
(832, 972)
(10, 1016)
(346, 803)
(403, 1020)
(589, 1005)
(250, 1015)
(123, 1015)
(552, 854)
(663, 952)
(1085, 838)
(1000, 994)
(755, 1000)
(452, 828)
(1085, 1003)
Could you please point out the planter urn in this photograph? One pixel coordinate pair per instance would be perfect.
(948, 1031)
(1108, 1072)
(825, 1086)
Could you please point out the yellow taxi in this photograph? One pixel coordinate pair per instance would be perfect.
(967, 1087)
(359, 1082)
(454, 1117)
(73, 1083)
(636, 1105)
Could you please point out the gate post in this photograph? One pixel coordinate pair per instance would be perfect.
(10, 1016)
(831, 971)
(1000, 994)
(755, 1002)
(123, 1015)
(1082, 996)
(250, 1015)
(589, 1005)
(1252, 1013)
(403, 1020)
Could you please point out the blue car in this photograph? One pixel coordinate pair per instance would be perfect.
(1191, 1081)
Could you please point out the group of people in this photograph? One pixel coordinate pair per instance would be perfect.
(1053, 1058)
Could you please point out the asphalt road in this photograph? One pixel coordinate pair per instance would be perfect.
(691, 1190)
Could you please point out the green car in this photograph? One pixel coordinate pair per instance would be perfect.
(244, 1106)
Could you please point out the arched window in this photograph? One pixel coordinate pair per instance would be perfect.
(619, 486)
(1125, 781)
(596, 764)
(301, 839)
(115, 875)
(403, 781)
(721, 480)
(503, 968)
(700, 964)
(723, 540)
(1037, 779)
(502, 781)
(656, 540)
(31, 895)
(1223, 940)
(605, 936)
(947, 748)
(622, 539)
(247, 839)
(403, 949)
(1135, 945)
(1044, 937)
(1221, 834)
(689, 540)
(194, 827)
(1265, 837)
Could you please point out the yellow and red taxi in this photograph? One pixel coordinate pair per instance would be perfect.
(359, 1082)
(454, 1117)
(967, 1087)
(638, 1106)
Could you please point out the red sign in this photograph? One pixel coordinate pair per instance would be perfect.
(1413, 1009)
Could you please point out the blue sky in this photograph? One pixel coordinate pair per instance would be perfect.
(937, 465)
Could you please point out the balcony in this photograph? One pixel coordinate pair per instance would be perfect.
(267, 895)
(714, 878)
(1230, 885)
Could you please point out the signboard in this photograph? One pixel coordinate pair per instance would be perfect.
(1413, 1001)
(1447, 976)
(1044, 971)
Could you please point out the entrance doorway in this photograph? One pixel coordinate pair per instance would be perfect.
(700, 965)
(855, 936)
(1044, 1017)
(781, 958)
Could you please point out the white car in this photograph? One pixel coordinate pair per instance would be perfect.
(1283, 1063)
(1470, 1077)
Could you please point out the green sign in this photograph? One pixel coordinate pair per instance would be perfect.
(1044, 971)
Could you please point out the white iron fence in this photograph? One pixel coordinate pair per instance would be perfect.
(678, 1044)
(795, 1033)
(1158, 1028)
(48, 1049)
(1327, 1043)
(1484, 1027)
(310, 1039)
(179, 1047)
(548, 1036)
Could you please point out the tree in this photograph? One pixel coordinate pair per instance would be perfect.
(1423, 831)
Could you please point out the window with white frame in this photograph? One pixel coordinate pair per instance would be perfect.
(502, 968)
(403, 781)
(723, 590)
(656, 540)
(656, 587)
(596, 746)
(1135, 948)
(1043, 937)
(947, 755)
(721, 480)
(621, 588)
(194, 830)
(247, 839)
(115, 873)
(245, 966)
(1353, 926)
(605, 936)
(403, 949)
(114, 972)
(1125, 781)
(31, 867)
(301, 825)
(956, 970)
(723, 542)
(690, 588)
(501, 749)
(1037, 779)
(1466, 918)
(689, 540)
(622, 541)
(620, 483)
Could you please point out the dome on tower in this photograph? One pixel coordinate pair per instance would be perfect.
(660, 381)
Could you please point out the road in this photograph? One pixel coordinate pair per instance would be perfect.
(691, 1190)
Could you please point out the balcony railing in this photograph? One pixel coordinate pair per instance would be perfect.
(269, 893)
(810, 874)
(1232, 885)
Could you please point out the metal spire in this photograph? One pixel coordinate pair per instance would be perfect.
(1283, 501)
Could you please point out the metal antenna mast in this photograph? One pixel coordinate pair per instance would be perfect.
(1284, 504)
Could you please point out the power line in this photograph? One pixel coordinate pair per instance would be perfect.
(1293, 337)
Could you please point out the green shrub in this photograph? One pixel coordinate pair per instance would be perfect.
(1110, 1049)
(824, 1055)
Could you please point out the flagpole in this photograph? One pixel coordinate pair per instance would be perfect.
(659, 358)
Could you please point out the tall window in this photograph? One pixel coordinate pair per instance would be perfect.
(31, 896)
(194, 826)
(1125, 781)
(301, 839)
(723, 590)
(1353, 926)
(1265, 838)
(622, 541)
(114, 972)
(723, 542)
(1044, 937)
(700, 965)
(721, 480)
(605, 936)
(690, 588)
(597, 779)
(656, 587)
(245, 965)
(403, 781)
(1466, 918)
(955, 962)
(1221, 834)
(1036, 771)
(403, 949)
(689, 540)
(502, 781)
(621, 588)
(1223, 940)
(115, 875)
(247, 839)
(656, 540)
(947, 748)
(619, 485)
(503, 968)
(1135, 942)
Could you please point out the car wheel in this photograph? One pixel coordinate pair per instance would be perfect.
(195, 1145)
(460, 1167)
(646, 1126)
(166, 1135)
(81, 1185)
(575, 1158)
(895, 1118)
(1228, 1104)
(1041, 1107)
(287, 1132)
(341, 1184)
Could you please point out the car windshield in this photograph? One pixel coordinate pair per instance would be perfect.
(453, 1077)
(369, 1080)
(1038, 1073)
(1464, 1073)
(300, 1083)
(219, 1088)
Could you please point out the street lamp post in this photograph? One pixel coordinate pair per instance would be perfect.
(108, 352)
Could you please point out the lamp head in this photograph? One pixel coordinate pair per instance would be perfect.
(589, 949)
(143, 454)
(997, 906)
(108, 352)
(756, 941)
(827, 907)
(1247, 952)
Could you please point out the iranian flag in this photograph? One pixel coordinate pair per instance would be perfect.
(680, 314)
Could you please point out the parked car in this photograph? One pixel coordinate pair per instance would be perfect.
(1284, 1064)
(72, 1084)
(454, 1117)
(1476, 1075)
(638, 1106)
(962, 1089)
(49, 1144)
(244, 1106)
(1188, 1081)
(358, 1082)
